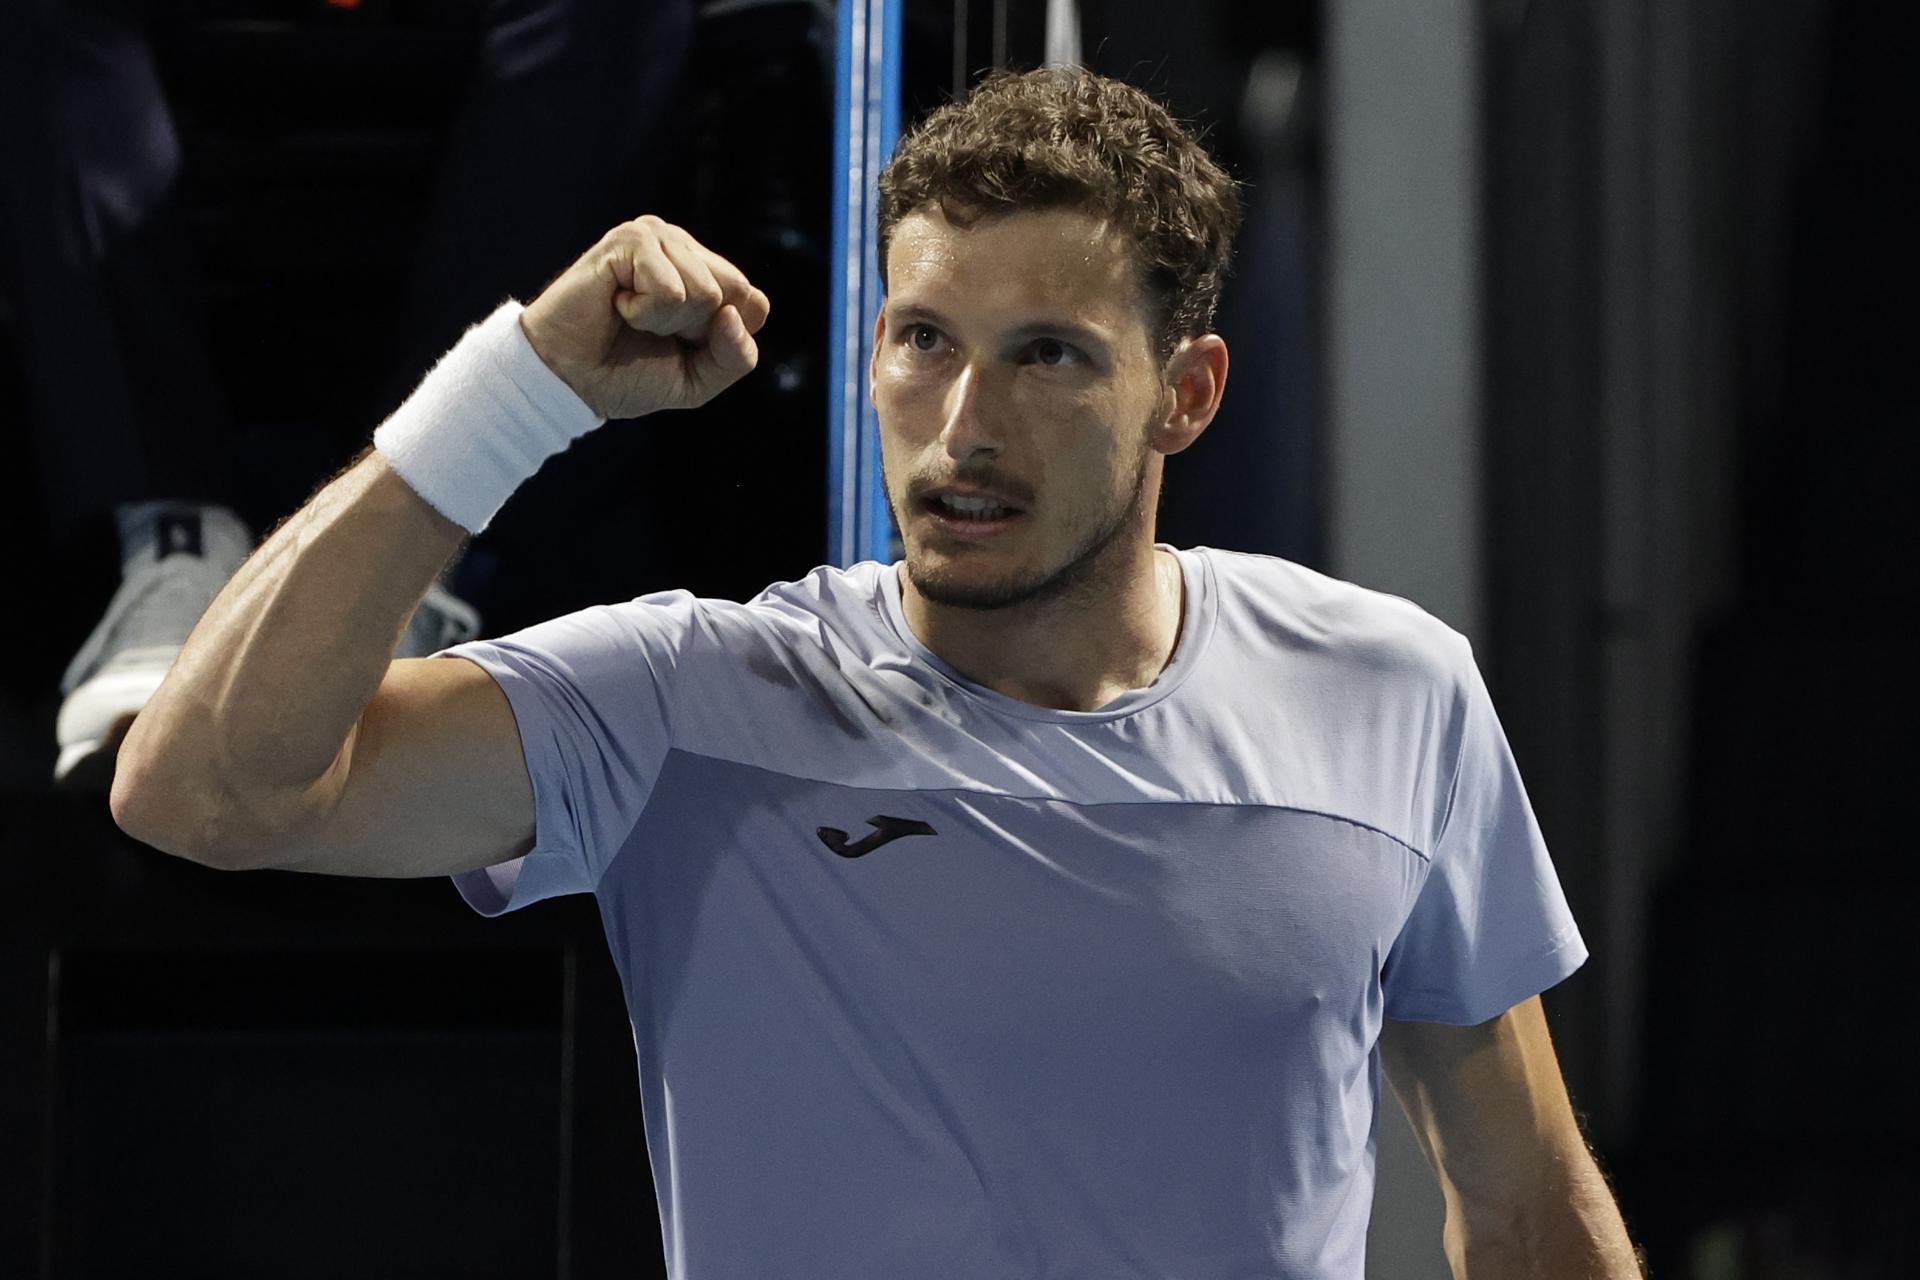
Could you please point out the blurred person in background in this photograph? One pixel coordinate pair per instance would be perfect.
(126, 420)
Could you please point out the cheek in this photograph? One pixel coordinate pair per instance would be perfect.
(911, 403)
(901, 419)
(1086, 471)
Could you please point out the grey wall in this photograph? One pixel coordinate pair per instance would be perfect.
(1402, 408)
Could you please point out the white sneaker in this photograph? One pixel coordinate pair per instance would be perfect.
(175, 558)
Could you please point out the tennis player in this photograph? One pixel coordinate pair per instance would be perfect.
(1049, 903)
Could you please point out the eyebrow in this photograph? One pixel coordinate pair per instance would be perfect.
(907, 312)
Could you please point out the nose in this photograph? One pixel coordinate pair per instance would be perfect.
(967, 428)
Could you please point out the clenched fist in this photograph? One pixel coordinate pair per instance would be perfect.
(647, 319)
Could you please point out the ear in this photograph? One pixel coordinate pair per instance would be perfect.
(873, 361)
(1190, 390)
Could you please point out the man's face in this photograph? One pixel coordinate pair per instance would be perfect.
(1012, 359)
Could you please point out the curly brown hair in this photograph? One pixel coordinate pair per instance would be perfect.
(1064, 136)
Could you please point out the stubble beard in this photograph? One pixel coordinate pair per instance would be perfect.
(1074, 575)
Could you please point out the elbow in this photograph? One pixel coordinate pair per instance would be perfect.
(168, 813)
(134, 815)
(154, 813)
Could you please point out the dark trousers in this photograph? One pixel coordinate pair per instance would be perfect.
(100, 277)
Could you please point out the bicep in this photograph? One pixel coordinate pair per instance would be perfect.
(432, 781)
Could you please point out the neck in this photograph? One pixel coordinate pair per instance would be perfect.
(1076, 651)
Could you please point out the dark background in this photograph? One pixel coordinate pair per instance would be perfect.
(1698, 273)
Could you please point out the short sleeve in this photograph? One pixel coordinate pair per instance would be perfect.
(1490, 926)
(589, 696)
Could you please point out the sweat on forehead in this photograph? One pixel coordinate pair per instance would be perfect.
(1089, 236)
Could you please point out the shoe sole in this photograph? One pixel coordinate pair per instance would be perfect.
(89, 766)
(93, 721)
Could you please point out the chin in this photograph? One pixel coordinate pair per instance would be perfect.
(951, 581)
(960, 584)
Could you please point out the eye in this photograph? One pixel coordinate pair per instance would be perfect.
(1054, 353)
(1049, 352)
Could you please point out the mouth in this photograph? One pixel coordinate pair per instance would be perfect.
(970, 515)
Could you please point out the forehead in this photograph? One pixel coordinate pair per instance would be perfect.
(1015, 263)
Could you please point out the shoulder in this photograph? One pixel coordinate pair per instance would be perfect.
(825, 589)
(675, 630)
(1268, 601)
(1312, 674)
(825, 593)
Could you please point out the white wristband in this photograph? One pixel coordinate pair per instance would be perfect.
(483, 420)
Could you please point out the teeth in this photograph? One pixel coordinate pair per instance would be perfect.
(973, 506)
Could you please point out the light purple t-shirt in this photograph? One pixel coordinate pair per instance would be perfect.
(927, 981)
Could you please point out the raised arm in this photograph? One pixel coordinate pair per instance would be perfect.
(285, 734)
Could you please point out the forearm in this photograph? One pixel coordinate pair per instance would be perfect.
(245, 733)
(1571, 1230)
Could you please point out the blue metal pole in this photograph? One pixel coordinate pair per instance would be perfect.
(866, 125)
